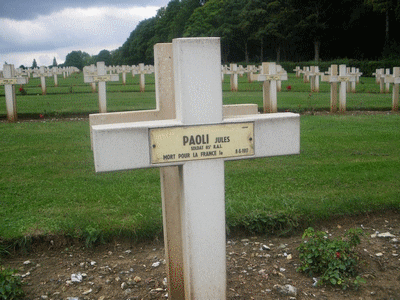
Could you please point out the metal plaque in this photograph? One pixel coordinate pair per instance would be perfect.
(175, 144)
(4, 81)
(99, 78)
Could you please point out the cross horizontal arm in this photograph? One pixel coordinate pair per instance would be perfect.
(99, 78)
(266, 77)
(128, 145)
(17, 80)
(335, 78)
(392, 79)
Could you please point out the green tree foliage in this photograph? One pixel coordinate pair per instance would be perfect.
(169, 23)
(104, 55)
(390, 8)
(259, 30)
(273, 22)
(77, 59)
(313, 20)
(34, 64)
(54, 62)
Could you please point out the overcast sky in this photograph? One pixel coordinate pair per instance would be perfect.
(43, 29)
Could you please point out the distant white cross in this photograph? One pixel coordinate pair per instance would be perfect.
(343, 78)
(101, 77)
(270, 77)
(9, 81)
(395, 79)
(43, 73)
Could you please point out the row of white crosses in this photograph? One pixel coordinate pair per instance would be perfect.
(44, 72)
(11, 77)
(189, 137)
(234, 70)
(140, 69)
(312, 74)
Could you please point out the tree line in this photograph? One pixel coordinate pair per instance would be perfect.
(278, 30)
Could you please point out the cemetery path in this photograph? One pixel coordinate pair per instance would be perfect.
(122, 270)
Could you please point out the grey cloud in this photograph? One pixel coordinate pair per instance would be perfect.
(29, 9)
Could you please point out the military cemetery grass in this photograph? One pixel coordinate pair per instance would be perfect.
(74, 97)
(348, 165)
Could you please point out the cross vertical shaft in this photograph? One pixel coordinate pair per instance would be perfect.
(198, 99)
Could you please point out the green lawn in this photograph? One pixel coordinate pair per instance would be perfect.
(348, 165)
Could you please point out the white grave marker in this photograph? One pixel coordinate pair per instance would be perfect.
(9, 81)
(343, 78)
(90, 71)
(395, 79)
(270, 77)
(124, 70)
(101, 78)
(298, 71)
(313, 76)
(233, 70)
(43, 73)
(142, 70)
(199, 155)
(332, 79)
(251, 69)
(55, 71)
(165, 109)
(384, 84)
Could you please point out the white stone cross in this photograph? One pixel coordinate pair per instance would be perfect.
(233, 70)
(331, 78)
(9, 81)
(270, 77)
(283, 74)
(90, 71)
(250, 70)
(43, 73)
(384, 84)
(165, 109)
(142, 70)
(305, 72)
(198, 141)
(313, 76)
(395, 79)
(56, 71)
(377, 74)
(298, 71)
(351, 86)
(101, 77)
(343, 78)
(124, 69)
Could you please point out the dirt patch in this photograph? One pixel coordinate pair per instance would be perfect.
(123, 270)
